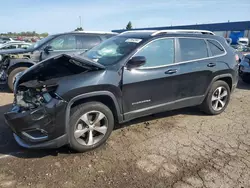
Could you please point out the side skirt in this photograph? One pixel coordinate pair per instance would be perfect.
(182, 103)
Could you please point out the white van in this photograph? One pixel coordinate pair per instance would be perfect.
(243, 41)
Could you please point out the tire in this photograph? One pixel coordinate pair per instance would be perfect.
(81, 144)
(208, 106)
(12, 75)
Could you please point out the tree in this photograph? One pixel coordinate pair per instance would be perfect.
(24, 34)
(44, 34)
(129, 25)
(79, 29)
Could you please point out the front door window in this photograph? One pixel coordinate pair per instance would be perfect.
(64, 42)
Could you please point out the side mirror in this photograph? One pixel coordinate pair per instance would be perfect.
(136, 61)
(48, 49)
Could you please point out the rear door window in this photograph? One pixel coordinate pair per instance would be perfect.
(192, 49)
(215, 47)
(86, 42)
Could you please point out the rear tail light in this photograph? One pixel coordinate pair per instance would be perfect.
(237, 58)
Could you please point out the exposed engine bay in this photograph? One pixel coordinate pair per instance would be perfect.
(38, 86)
(31, 98)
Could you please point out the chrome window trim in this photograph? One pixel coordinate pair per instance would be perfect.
(182, 62)
(184, 31)
(66, 50)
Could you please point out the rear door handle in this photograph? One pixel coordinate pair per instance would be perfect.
(171, 71)
(211, 64)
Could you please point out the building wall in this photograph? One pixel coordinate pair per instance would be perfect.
(227, 26)
(221, 29)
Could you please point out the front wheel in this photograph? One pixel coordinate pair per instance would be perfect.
(12, 75)
(217, 98)
(91, 124)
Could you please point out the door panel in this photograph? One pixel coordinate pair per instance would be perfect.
(194, 79)
(147, 88)
(196, 68)
(155, 82)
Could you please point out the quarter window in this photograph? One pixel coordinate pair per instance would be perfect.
(158, 53)
(191, 49)
(215, 47)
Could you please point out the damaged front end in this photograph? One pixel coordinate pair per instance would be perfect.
(35, 113)
(37, 117)
(29, 98)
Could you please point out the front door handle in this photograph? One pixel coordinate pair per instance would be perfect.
(211, 64)
(171, 71)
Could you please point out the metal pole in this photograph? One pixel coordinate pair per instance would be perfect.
(80, 21)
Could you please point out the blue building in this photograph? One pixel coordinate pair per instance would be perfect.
(233, 30)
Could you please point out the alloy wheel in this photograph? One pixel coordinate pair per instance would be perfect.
(219, 98)
(90, 128)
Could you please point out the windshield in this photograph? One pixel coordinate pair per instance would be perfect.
(42, 41)
(112, 50)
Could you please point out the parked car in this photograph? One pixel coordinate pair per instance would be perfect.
(244, 50)
(5, 39)
(243, 41)
(244, 71)
(77, 99)
(17, 60)
(14, 45)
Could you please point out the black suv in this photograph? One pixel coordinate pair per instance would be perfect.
(17, 60)
(76, 100)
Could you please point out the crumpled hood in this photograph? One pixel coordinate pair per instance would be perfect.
(14, 51)
(56, 68)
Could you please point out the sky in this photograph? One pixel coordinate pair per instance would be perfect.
(54, 16)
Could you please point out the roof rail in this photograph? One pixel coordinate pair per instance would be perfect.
(187, 31)
(139, 31)
(96, 32)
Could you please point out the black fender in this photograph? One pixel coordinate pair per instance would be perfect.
(218, 78)
(93, 94)
(14, 63)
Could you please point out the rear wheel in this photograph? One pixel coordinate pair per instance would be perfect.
(90, 126)
(217, 98)
(12, 75)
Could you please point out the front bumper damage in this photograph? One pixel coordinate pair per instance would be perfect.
(38, 116)
(42, 127)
